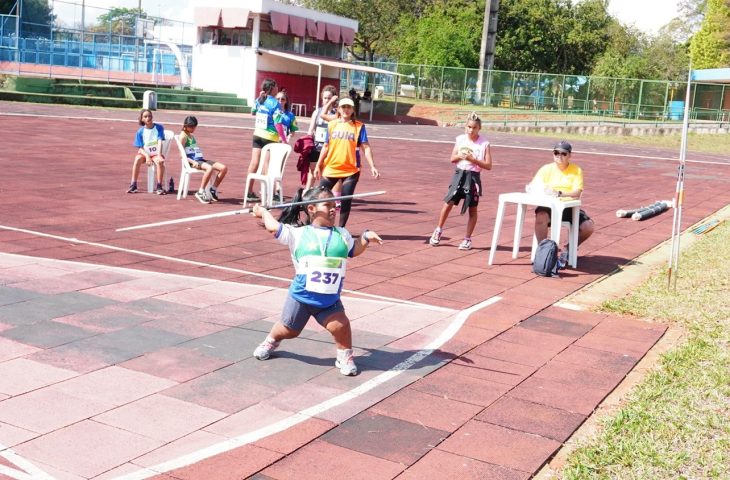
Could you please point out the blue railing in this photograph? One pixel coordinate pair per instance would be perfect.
(123, 56)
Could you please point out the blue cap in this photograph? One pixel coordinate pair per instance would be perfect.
(563, 146)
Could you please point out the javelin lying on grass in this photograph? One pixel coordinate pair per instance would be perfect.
(247, 210)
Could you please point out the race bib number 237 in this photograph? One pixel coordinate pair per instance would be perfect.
(324, 275)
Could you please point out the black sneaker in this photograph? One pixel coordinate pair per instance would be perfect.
(277, 197)
(252, 197)
(160, 190)
(213, 194)
(132, 188)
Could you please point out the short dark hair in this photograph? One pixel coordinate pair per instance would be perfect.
(190, 121)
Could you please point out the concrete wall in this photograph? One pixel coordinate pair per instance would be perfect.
(222, 68)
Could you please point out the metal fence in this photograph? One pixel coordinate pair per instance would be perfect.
(88, 51)
(117, 54)
(626, 98)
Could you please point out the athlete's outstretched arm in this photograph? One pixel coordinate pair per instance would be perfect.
(270, 223)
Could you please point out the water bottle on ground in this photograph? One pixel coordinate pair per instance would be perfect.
(171, 187)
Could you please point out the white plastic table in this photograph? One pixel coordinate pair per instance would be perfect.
(556, 204)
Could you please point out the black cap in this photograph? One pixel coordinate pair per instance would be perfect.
(563, 146)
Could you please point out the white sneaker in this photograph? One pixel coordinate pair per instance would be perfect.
(202, 197)
(465, 244)
(264, 350)
(346, 362)
(436, 237)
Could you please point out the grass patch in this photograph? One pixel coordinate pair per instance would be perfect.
(676, 423)
(447, 112)
(696, 142)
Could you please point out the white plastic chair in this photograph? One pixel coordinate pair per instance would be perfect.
(186, 170)
(278, 154)
(151, 169)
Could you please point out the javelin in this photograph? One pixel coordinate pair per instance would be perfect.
(247, 210)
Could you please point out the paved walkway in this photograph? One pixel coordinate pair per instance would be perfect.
(133, 356)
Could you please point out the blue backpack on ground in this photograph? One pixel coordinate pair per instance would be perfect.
(546, 259)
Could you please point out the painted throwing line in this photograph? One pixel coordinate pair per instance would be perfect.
(315, 410)
(28, 472)
(215, 267)
(275, 427)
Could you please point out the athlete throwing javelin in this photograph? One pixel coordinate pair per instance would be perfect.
(319, 251)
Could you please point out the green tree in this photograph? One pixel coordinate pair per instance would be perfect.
(691, 12)
(588, 36)
(376, 21)
(531, 35)
(624, 54)
(668, 58)
(447, 33)
(118, 20)
(710, 47)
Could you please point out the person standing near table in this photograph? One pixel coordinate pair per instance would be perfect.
(562, 179)
(470, 156)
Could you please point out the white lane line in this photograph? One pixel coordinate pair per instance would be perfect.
(29, 472)
(315, 410)
(569, 306)
(581, 152)
(217, 267)
(401, 139)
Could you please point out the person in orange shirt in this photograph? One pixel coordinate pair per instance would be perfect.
(340, 158)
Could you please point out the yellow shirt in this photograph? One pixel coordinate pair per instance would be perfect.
(566, 180)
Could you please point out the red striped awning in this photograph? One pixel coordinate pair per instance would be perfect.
(312, 28)
(279, 22)
(321, 30)
(297, 25)
(333, 33)
(348, 35)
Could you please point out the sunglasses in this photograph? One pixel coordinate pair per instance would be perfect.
(562, 154)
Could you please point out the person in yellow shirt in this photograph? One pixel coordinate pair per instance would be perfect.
(340, 158)
(562, 179)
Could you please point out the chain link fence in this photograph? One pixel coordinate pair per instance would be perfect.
(150, 50)
(631, 99)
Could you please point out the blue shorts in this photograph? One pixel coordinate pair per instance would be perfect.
(295, 314)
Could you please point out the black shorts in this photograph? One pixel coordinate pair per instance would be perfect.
(314, 155)
(567, 215)
(259, 142)
(457, 190)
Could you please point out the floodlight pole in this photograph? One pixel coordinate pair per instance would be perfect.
(136, 40)
(679, 191)
(18, 11)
